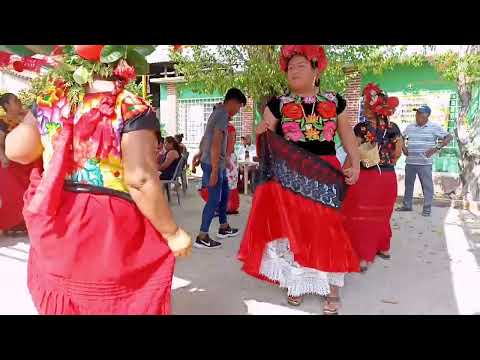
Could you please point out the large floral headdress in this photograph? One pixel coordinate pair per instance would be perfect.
(314, 53)
(378, 101)
(75, 66)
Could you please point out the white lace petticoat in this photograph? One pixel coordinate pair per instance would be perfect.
(278, 265)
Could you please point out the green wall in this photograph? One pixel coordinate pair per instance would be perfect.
(163, 92)
(423, 79)
(185, 92)
(410, 79)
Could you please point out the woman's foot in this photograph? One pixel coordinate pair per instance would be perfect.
(332, 303)
(295, 300)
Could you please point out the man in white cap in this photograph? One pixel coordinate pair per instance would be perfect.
(423, 142)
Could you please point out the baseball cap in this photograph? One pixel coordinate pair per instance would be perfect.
(424, 109)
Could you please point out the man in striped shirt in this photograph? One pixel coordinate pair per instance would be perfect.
(422, 140)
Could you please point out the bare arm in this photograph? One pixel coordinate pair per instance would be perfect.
(171, 157)
(215, 149)
(3, 158)
(23, 144)
(404, 147)
(142, 181)
(350, 144)
(398, 149)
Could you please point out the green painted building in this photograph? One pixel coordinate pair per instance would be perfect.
(422, 85)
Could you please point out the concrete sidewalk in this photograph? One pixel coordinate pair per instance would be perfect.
(434, 270)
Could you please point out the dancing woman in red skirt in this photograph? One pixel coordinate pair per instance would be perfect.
(14, 177)
(369, 203)
(295, 237)
(103, 238)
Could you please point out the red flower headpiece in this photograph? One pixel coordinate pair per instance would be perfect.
(378, 101)
(313, 53)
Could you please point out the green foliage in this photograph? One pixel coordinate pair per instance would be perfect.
(254, 68)
(137, 89)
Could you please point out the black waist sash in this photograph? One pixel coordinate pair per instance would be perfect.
(299, 171)
(96, 190)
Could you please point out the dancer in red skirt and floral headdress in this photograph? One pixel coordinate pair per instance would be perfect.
(14, 177)
(103, 238)
(369, 203)
(294, 236)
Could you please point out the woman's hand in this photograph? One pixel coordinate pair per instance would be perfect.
(351, 175)
(180, 243)
(269, 122)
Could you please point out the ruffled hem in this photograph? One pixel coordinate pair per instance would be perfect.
(279, 266)
(55, 295)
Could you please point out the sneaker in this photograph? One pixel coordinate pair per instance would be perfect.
(206, 243)
(403, 208)
(427, 212)
(228, 232)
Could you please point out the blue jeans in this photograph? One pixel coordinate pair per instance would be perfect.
(217, 197)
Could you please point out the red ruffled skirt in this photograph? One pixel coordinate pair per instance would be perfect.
(14, 182)
(367, 210)
(315, 234)
(92, 254)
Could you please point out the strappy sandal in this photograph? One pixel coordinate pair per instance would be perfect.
(331, 300)
(384, 256)
(295, 300)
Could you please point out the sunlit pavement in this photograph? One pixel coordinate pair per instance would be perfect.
(434, 270)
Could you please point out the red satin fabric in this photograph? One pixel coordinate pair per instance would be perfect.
(315, 232)
(14, 182)
(92, 254)
(367, 210)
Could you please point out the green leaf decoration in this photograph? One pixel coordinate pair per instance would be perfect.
(302, 124)
(144, 50)
(112, 53)
(81, 75)
(138, 61)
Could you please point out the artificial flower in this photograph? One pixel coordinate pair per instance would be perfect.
(311, 52)
(124, 71)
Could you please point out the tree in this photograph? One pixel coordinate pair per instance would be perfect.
(463, 67)
(254, 68)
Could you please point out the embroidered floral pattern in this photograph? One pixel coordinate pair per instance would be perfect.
(98, 124)
(298, 126)
(385, 136)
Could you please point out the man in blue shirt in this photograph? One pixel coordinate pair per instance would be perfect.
(422, 140)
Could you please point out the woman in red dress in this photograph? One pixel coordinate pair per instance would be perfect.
(369, 203)
(294, 236)
(14, 177)
(103, 238)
